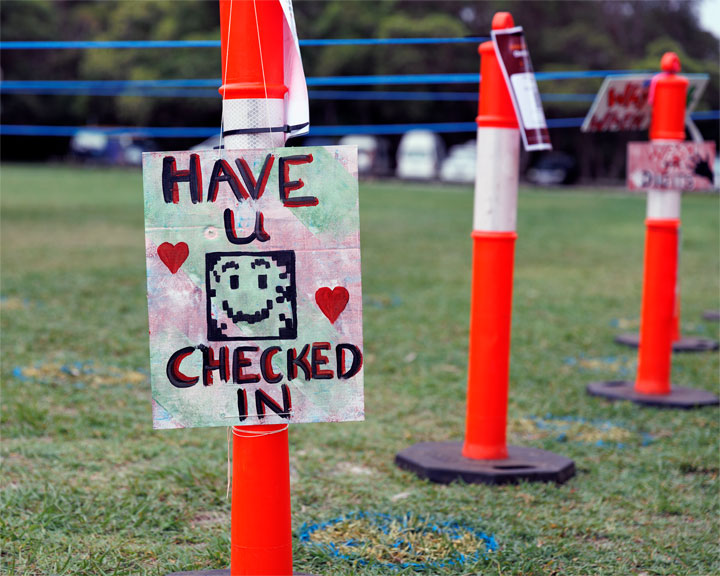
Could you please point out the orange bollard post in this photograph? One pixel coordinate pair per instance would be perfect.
(654, 357)
(253, 92)
(668, 96)
(485, 456)
(493, 257)
(261, 531)
(659, 311)
(489, 362)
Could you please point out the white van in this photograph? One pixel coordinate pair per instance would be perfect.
(420, 155)
(373, 155)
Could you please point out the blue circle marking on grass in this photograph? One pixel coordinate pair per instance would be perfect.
(398, 542)
(600, 433)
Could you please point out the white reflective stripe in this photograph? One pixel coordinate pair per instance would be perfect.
(496, 179)
(253, 113)
(663, 204)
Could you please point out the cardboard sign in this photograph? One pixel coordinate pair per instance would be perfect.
(514, 59)
(670, 166)
(254, 290)
(622, 103)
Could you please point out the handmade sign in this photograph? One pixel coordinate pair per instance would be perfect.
(670, 166)
(622, 103)
(254, 290)
(514, 60)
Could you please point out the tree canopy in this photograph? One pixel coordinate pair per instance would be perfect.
(561, 35)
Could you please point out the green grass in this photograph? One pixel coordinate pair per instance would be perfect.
(89, 488)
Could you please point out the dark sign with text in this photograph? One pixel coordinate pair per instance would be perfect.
(514, 59)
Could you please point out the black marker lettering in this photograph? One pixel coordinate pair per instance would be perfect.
(287, 185)
(171, 176)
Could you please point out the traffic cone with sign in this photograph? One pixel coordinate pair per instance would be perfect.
(658, 319)
(253, 92)
(668, 96)
(485, 457)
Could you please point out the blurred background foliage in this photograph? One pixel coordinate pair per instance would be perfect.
(561, 35)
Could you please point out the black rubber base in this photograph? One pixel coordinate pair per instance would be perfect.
(713, 315)
(443, 462)
(680, 398)
(685, 344)
(220, 573)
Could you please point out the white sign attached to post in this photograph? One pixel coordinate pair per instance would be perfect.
(670, 165)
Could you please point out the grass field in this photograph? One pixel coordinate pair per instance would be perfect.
(89, 488)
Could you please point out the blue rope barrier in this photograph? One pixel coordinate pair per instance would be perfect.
(392, 79)
(706, 115)
(148, 92)
(355, 95)
(391, 41)
(9, 85)
(431, 96)
(567, 97)
(393, 129)
(147, 131)
(85, 44)
(396, 95)
(204, 132)
(124, 44)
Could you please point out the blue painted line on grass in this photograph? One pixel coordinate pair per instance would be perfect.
(18, 374)
(560, 424)
(381, 522)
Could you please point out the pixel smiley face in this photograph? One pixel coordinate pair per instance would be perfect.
(251, 295)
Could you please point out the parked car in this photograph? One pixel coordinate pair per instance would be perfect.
(97, 146)
(419, 155)
(460, 164)
(552, 169)
(373, 154)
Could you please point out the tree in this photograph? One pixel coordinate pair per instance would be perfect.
(561, 36)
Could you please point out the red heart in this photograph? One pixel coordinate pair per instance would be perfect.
(173, 256)
(332, 302)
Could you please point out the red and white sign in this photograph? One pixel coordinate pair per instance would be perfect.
(514, 59)
(622, 103)
(670, 166)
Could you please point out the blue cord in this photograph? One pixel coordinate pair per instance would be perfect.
(90, 44)
(392, 79)
(204, 132)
